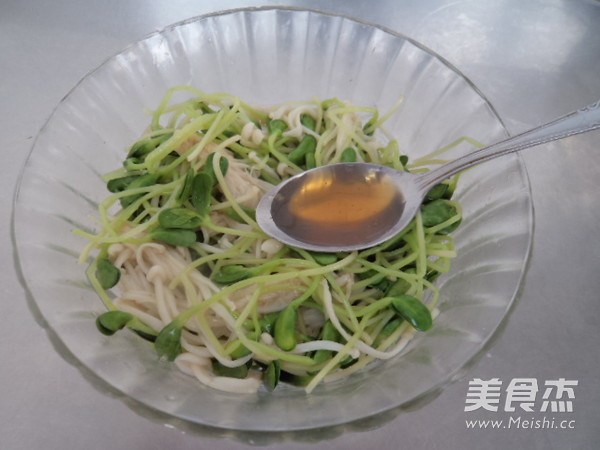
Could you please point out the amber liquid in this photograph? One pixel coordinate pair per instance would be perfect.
(339, 208)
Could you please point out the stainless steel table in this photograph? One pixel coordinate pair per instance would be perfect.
(533, 59)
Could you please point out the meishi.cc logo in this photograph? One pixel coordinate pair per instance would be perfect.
(526, 394)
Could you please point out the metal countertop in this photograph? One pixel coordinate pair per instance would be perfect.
(534, 60)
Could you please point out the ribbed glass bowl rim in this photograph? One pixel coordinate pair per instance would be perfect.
(188, 423)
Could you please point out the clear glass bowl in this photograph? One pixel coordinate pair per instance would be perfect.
(268, 56)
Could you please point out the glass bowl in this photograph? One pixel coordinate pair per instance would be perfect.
(267, 56)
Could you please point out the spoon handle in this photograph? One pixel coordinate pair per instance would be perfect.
(580, 121)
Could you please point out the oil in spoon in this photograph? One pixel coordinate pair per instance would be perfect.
(345, 206)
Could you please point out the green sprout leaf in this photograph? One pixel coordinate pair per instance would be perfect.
(413, 311)
(209, 169)
(181, 238)
(277, 126)
(120, 184)
(308, 121)
(437, 192)
(180, 218)
(399, 287)
(186, 190)
(232, 274)
(285, 328)
(112, 321)
(328, 333)
(168, 341)
(144, 146)
(141, 181)
(231, 372)
(348, 155)
(272, 375)
(323, 258)
(107, 274)
(437, 212)
(308, 144)
(201, 193)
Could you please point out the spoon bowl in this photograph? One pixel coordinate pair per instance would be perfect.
(339, 207)
(352, 206)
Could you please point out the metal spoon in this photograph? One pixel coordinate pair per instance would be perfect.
(314, 210)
